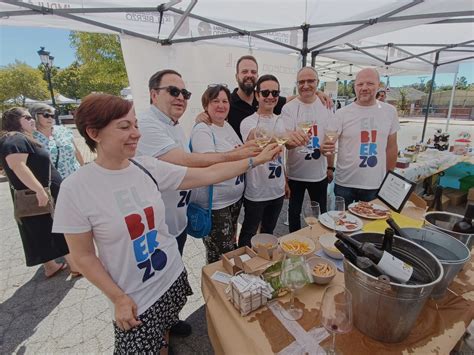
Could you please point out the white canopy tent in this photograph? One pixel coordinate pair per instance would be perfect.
(395, 35)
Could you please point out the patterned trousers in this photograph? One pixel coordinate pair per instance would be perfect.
(221, 239)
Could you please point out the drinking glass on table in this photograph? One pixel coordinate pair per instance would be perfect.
(311, 212)
(336, 313)
(294, 275)
(336, 210)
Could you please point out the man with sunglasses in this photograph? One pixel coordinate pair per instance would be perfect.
(307, 171)
(162, 137)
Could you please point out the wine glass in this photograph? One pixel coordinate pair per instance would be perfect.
(331, 137)
(294, 275)
(336, 313)
(281, 133)
(264, 131)
(304, 121)
(311, 212)
(336, 210)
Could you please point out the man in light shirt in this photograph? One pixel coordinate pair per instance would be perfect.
(367, 141)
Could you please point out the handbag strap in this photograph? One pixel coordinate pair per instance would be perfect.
(211, 187)
(146, 172)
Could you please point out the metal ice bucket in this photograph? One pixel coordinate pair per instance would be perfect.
(444, 222)
(451, 253)
(387, 311)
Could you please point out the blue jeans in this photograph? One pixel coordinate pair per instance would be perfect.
(351, 194)
(264, 212)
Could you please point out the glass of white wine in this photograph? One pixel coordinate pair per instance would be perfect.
(331, 137)
(281, 133)
(304, 121)
(264, 131)
(311, 212)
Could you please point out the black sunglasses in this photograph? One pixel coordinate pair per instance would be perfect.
(266, 93)
(174, 91)
(27, 117)
(46, 115)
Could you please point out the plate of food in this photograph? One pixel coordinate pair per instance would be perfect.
(297, 245)
(345, 221)
(369, 210)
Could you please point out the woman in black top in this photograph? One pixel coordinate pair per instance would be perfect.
(27, 166)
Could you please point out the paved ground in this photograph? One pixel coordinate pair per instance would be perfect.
(59, 315)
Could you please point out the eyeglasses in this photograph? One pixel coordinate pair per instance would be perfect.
(307, 81)
(217, 85)
(266, 93)
(175, 91)
(46, 115)
(27, 117)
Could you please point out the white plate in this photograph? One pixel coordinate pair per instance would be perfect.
(326, 220)
(374, 205)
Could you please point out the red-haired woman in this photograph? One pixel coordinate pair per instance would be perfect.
(116, 203)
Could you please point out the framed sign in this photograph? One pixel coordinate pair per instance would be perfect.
(395, 191)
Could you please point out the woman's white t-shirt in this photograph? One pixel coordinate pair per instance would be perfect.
(125, 213)
(267, 181)
(227, 192)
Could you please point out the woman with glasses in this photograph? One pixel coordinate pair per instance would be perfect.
(59, 140)
(265, 185)
(115, 204)
(27, 166)
(219, 137)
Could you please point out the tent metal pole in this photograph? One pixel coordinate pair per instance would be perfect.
(409, 53)
(457, 60)
(181, 20)
(366, 53)
(449, 46)
(451, 100)
(304, 50)
(435, 66)
(326, 50)
(313, 58)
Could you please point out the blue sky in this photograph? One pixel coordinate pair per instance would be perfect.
(23, 42)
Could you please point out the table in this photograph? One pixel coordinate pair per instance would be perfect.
(438, 328)
(431, 162)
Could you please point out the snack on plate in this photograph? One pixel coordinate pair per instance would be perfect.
(323, 270)
(295, 247)
(367, 209)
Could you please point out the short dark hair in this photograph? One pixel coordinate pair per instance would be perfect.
(245, 57)
(211, 93)
(11, 123)
(266, 77)
(97, 111)
(155, 79)
(379, 91)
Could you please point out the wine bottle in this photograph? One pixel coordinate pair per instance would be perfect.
(465, 225)
(437, 204)
(388, 240)
(386, 262)
(396, 228)
(362, 262)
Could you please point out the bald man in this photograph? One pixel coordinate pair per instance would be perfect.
(367, 141)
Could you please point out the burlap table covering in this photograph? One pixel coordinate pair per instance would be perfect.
(437, 330)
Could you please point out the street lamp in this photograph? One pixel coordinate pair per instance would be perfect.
(47, 60)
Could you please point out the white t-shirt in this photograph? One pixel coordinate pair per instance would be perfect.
(227, 192)
(307, 167)
(267, 181)
(159, 136)
(125, 213)
(363, 132)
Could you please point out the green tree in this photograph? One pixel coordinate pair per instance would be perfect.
(19, 79)
(101, 62)
(402, 103)
(68, 81)
(461, 83)
(427, 86)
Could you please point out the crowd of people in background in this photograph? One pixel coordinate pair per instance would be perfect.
(121, 220)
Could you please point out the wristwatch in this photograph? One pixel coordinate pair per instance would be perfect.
(331, 168)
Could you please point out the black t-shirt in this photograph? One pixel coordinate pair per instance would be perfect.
(38, 161)
(240, 109)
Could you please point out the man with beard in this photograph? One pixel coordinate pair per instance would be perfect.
(367, 141)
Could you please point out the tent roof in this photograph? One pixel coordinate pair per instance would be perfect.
(403, 28)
